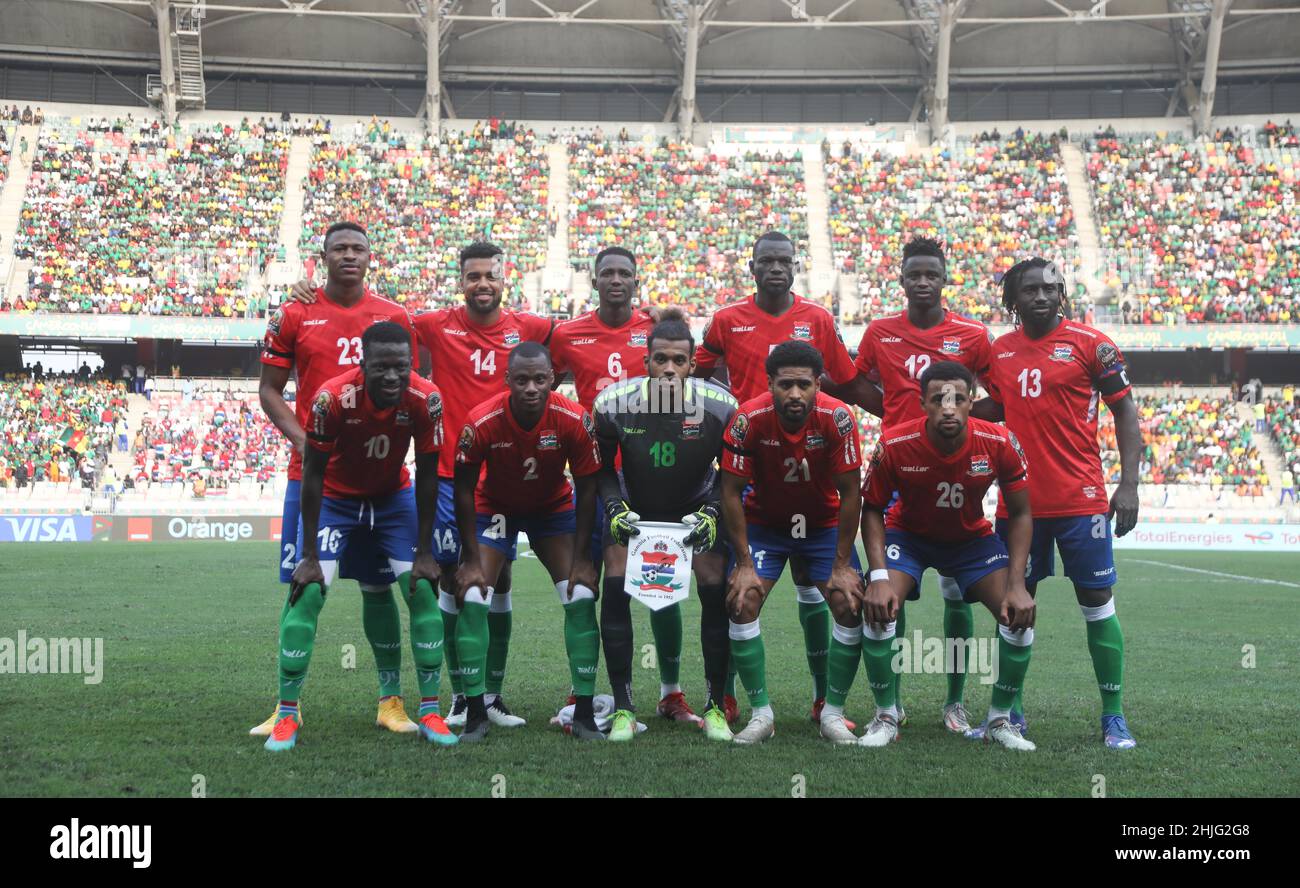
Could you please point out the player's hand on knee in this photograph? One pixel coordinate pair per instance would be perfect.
(1018, 608)
(307, 572)
(425, 568)
(583, 573)
(468, 576)
(845, 583)
(622, 521)
(743, 588)
(878, 604)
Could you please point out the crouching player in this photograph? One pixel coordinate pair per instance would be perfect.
(800, 448)
(360, 428)
(525, 436)
(941, 466)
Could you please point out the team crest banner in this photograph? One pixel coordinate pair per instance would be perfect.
(659, 564)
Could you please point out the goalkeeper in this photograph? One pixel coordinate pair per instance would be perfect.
(666, 430)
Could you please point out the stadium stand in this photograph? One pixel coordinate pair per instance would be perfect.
(219, 438)
(991, 201)
(1200, 231)
(1283, 416)
(6, 146)
(127, 217)
(690, 215)
(49, 427)
(422, 199)
(1191, 440)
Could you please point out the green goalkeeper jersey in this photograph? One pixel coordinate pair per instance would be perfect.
(669, 456)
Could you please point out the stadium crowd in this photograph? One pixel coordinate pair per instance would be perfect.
(991, 203)
(1283, 418)
(1200, 231)
(130, 217)
(690, 215)
(57, 429)
(422, 199)
(1191, 440)
(212, 440)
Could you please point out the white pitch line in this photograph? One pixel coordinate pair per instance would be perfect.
(1215, 573)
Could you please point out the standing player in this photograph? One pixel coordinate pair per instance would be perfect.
(361, 426)
(800, 449)
(518, 444)
(1047, 377)
(468, 345)
(743, 334)
(665, 431)
(894, 352)
(940, 467)
(316, 342)
(597, 348)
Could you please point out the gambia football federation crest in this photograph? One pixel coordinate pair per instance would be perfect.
(691, 430)
(548, 441)
(1063, 353)
(814, 441)
(638, 339)
(802, 331)
(979, 465)
(658, 569)
(320, 411)
(951, 347)
(512, 337)
(402, 418)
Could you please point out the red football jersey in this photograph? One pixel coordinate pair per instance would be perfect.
(367, 446)
(598, 354)
(941, 497)
(792, 473)
(320, 341)
(469, 360)
(895, 353)
(525, 467)
(744, 335)
(1049, 389)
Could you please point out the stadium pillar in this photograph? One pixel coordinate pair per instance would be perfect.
(1205, 106)
(948, 13)
(163, 16)
(433, 69)
(686, 108)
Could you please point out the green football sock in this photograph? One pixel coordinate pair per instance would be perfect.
(472, 647)
(878, 655)
(581, 643)
(499, 625)
(1106, 645)
(751, 662)
(900, 631)
(449, 649)
(666, 626)
(383, 630)
(426, 634)
(1013, 664)
(958, 623)
(842, 665)
(297, 638)
(816, 622)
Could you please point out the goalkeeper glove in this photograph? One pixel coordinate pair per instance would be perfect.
(705, 524)
(622, 521)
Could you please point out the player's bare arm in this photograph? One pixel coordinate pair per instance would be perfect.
(470, 573)
(1128, 433)
(1017, 611)
(845, 582)
(988, 410)
(270, 392)
(583, 572)
(313, 487)
(880, 600)
(425, 566)
(743, 586)
(860, 391)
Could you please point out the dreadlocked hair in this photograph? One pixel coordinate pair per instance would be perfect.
(1011, 286)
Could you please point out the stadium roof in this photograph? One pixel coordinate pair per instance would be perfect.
(790, 41)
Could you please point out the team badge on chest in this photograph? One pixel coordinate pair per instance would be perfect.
(802, 331)
(548, 441)
(1063, 353)
(951, 347)
(512, 337)
(638, 339)
(979, 465)
(402, 418)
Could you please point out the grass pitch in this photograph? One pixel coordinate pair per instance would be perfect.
(189, 635)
